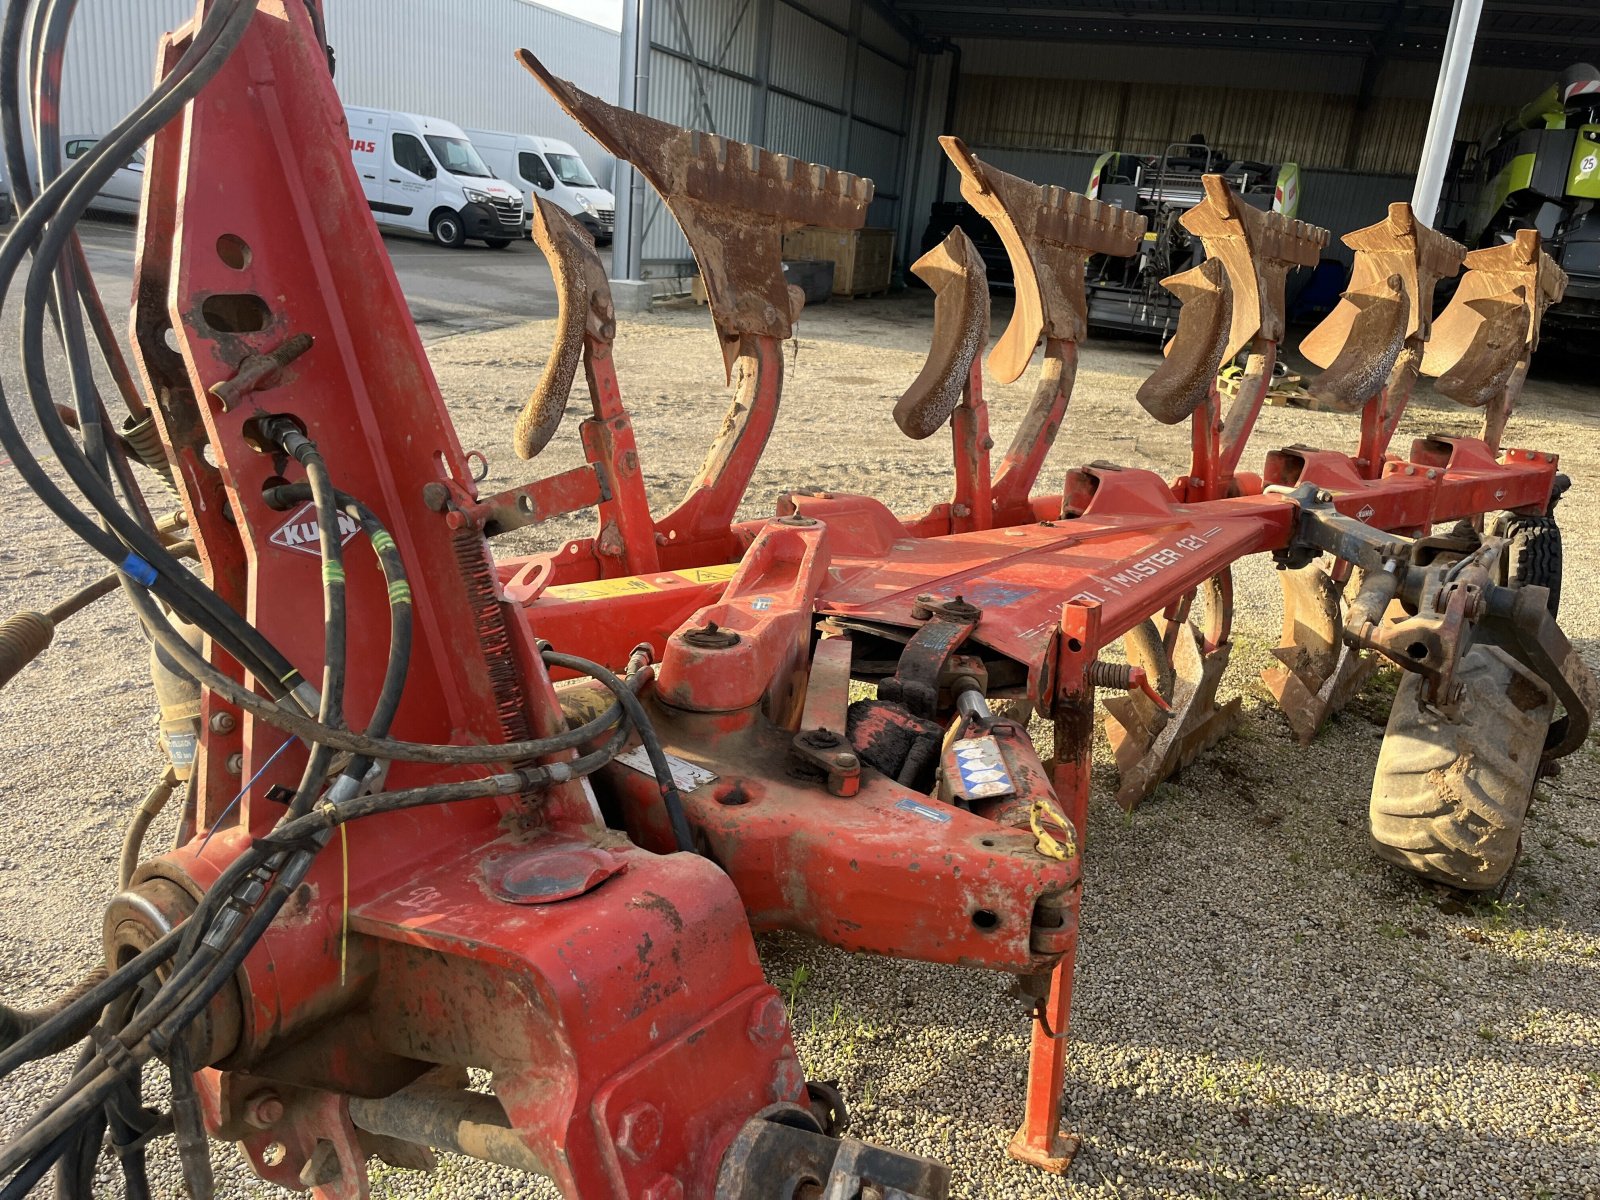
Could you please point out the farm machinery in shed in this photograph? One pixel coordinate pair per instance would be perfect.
(445, 812)
(1126, 291)
(1541, 171)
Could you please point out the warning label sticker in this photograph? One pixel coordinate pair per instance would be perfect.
(599, 589)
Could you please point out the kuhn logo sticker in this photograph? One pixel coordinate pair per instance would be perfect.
(301, 532)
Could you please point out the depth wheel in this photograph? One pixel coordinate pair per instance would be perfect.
(1449, 799)
(1535, 553)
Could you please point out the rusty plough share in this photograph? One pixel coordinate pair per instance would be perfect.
(1370, 348)
(559, 885)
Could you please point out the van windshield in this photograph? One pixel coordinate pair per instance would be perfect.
(457, 156)
(570, 170)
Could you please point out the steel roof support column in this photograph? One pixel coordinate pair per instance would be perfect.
(1446, 108)
(852, 59)
(758, 111)
(633, 86)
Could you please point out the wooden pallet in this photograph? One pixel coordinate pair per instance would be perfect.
(863, 259)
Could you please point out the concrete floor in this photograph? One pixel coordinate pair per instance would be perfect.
(450, 291)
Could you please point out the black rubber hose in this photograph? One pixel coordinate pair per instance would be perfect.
(309, 730)
(128, 1138)
(75, 1167)
(37, 1043)
(682, 835)
(400, 609)
(70, 194)
(37, 1167)
(192, 987)
(331, 713)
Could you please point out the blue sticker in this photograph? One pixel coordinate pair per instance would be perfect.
(761, 603)
(997, 595)
(926, 811)
(181, 749)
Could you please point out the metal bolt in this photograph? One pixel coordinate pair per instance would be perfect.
(263, 1110)
(822, 738)
(235, 764)
(435, 496)
(1432, 474)
(274, 1153)
(768, 1020)
(846, 762)
(223, 723)
(960, 510)
(788, 1081)
(639, 1131)
(797, 521)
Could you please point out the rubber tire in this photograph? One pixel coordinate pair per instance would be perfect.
(448, 230)
(1535, 553)
(497, 243)
(1449, 800)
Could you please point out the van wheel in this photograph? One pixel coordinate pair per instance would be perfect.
(447, 229)
(497, 243)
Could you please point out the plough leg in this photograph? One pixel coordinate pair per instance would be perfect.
(1320, 672)
(1040, 1140)
(1150, 746)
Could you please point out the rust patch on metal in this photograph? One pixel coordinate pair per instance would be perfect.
(584, 305)
(734, 201)
(1049, 233)
(955, 272)
(1257, 248)
(1194, 355)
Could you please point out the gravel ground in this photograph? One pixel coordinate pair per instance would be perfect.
(1262, 1009)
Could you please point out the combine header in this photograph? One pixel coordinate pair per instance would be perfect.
(446, 812)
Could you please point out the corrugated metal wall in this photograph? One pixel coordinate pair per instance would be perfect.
(438, 57)
(827, 81)
(454, 60)
(1311, 128)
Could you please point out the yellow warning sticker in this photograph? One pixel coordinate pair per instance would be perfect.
(601, 589)
(717, 574)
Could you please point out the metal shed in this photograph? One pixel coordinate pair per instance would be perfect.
(1343, 87)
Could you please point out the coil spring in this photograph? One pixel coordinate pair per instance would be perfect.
(145, 439)
(22, 639)
(1111, 675)
(490, 624)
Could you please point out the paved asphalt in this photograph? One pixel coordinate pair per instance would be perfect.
(449, 291)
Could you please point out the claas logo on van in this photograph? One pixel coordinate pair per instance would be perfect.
(359, 146)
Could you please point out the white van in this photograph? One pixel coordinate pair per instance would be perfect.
(421, 174)
(554, 171)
